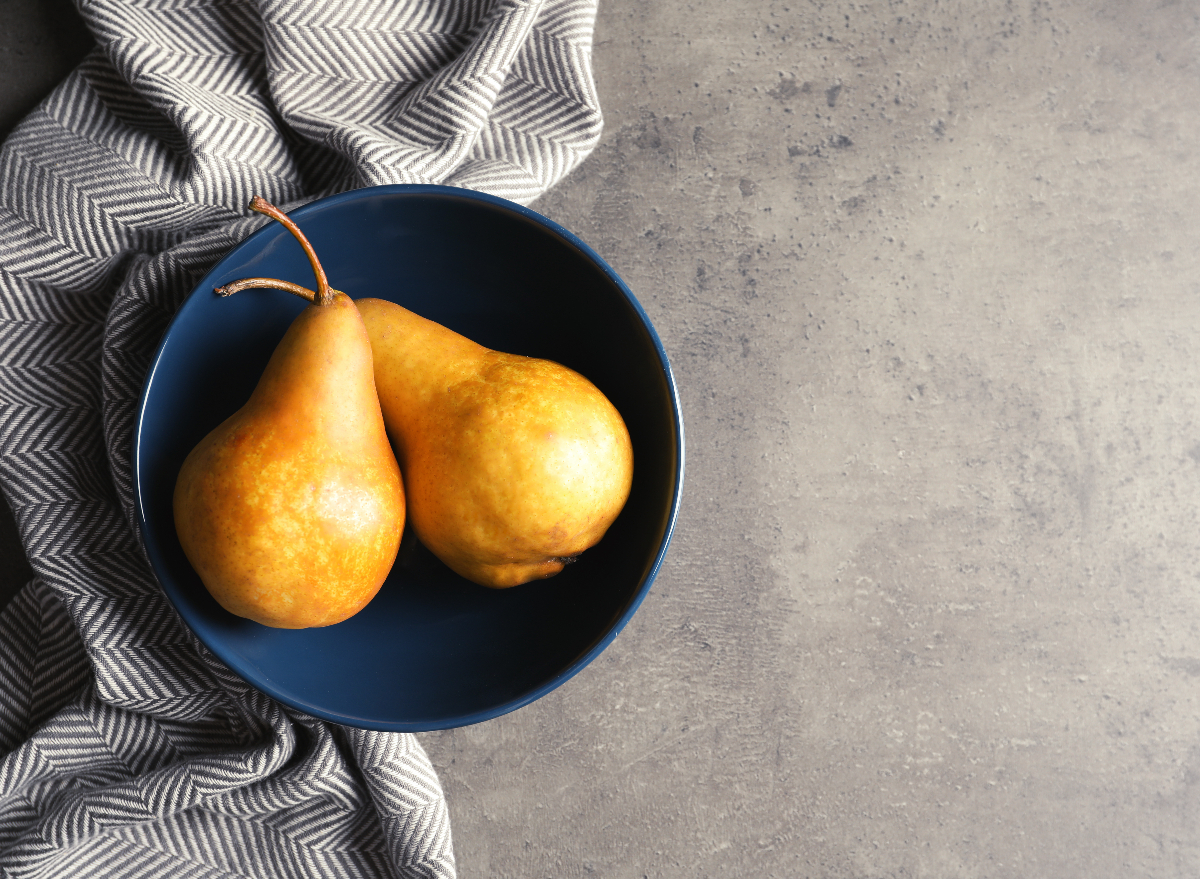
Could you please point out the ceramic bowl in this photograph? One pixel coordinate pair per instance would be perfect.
(432, 650)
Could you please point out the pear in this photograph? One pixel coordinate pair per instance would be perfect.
(512, 465)
(291, 510)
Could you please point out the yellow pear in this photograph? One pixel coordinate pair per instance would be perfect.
(291, 510)
(512, 465)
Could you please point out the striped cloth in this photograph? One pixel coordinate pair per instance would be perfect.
(129, 750)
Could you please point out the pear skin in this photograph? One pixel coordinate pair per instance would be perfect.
(513, 465)
(291, 510)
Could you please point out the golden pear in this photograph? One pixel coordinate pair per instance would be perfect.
(512, 465)
(291, 510)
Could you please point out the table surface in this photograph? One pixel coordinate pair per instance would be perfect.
(927, 273)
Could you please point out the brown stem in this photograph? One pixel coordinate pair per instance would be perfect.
(324, 294)
(269, 283)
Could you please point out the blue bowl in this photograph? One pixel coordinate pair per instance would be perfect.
(432, 650)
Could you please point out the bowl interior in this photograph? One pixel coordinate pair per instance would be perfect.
(432, 650)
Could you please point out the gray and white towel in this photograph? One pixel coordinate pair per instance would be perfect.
(130, 750)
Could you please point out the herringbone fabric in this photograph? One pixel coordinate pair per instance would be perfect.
(130, 750)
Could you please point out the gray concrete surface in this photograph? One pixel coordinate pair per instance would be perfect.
(927, 274)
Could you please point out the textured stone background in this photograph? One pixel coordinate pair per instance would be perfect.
(927, 275)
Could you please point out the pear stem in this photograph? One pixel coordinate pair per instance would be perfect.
(268, 283)
(324, 294)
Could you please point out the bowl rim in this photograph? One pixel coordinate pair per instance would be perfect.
(263, 684)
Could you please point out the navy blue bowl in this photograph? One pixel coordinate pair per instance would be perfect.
(432, 650)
